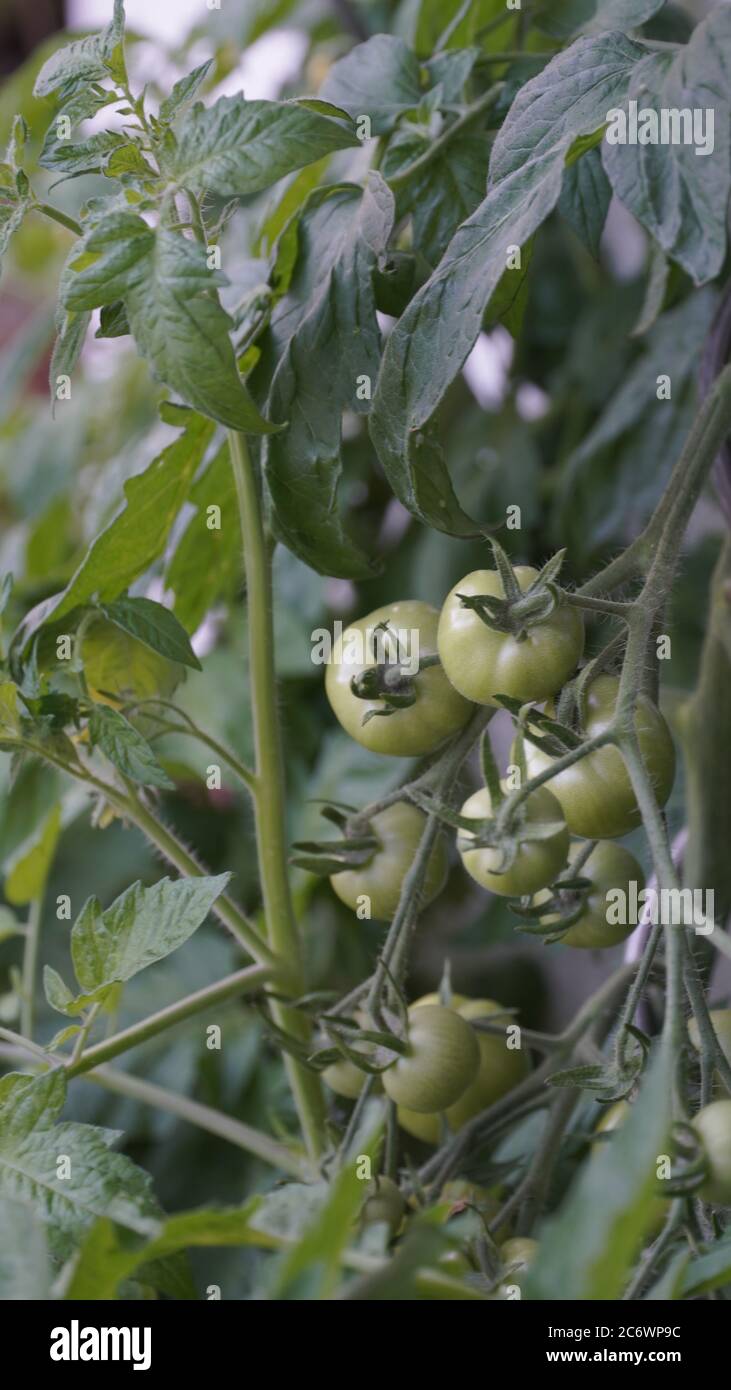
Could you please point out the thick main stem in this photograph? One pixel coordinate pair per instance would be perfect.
(269, 792)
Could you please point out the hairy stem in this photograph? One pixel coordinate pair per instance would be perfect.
(268, 791)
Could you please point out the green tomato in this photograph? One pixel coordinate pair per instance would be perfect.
(437, 712)
(537, 862)
(500, 1069)
(520, 1250)
(608, 866)
(399, 830)
(344, 1077)
(713, 1126)
(482, 663)
(384, 1203)
(441, 1062)
(596, 792)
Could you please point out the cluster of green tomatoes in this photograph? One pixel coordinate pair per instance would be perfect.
(499, 634)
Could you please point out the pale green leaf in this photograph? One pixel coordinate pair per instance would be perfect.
(24, 1267)
(66, 1172)
(90, 59)
(138, 534)
(27, 869)
(141, 927)
(239, 147)
(379, 78)
(125, 747)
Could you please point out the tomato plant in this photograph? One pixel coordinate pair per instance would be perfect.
(441, 311)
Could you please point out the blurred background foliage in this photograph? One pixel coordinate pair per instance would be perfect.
(556, 413)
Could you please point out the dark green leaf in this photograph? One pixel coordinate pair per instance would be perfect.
(172, 307)
(334, 345)
(585, 197)
(441, 195)
(680, 195)
(430, 343)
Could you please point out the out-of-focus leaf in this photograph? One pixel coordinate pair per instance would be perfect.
(677, 192)
(585, 197)
(586, 1248)
(66, 1172)
(670, 1284)
(561, 18)
(24, 1267)
(631, 449)
(431, 341)
(138, 534)
(206, 564)
(27, 869)
(334, 348)
(379, 78)
(709, 1271)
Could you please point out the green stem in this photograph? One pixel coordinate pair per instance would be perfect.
(269, 794)
(57, 215)
(83, 1035)
(232, 987)
(30, 967)
(235, 1132)
(472, 113)
(170, 847)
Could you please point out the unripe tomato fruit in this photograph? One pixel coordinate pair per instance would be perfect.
(596, 792)
(537, 862)
(384, 1202)
(713, 1126)
(438, 711)
(441, 1062)
(399, 829)
(608, 866)
(481, 662)
(344, 1077)
(500, 1069)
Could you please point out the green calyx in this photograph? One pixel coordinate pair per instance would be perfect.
(520, 609)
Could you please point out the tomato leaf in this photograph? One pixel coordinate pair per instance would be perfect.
(379, 78)
(25, 1272)
(170, 297)
(125, 747)
(94, 1182)
(587, 1247)
(142, 926)
(237, 147)
(91, 59)
(561, 18)
(155, 626)
(27, 869)
(585, 197)
(332, 343)
(205, 566)
(138, 533)
(677, 192)
(431, 341)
